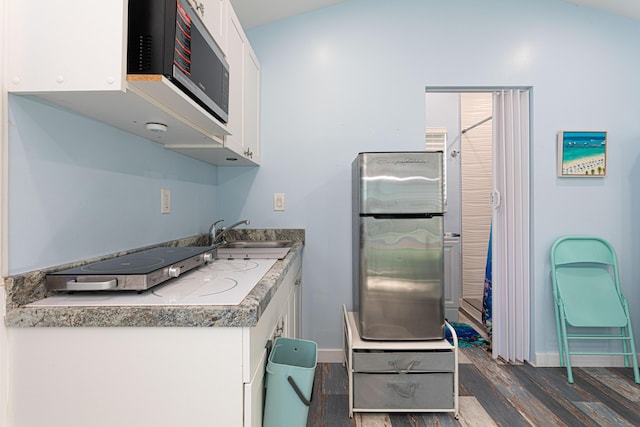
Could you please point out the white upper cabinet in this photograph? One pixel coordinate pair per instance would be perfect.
(244, 93)
(65, 45)
(235, 58)
(251, 105)
(215, 17)
(242, 145)
(77, 59)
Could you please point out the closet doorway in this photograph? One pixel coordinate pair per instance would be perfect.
(487, 160)
(464, 120)
(476, 173)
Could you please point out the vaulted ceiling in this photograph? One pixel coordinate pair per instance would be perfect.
(258, 12)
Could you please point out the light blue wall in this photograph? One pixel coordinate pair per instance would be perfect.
(351, 78)
(80, 189)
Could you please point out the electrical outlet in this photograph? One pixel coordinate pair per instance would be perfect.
(278, 202)
(165, 201)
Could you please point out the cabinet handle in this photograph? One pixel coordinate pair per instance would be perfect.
(406, 394)
(394, 364)
(279, 329)
(269, 347)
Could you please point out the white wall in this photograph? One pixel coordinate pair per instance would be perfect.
(351, 78)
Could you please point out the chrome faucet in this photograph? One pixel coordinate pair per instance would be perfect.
(217, 233)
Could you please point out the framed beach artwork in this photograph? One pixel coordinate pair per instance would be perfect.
(582, 154)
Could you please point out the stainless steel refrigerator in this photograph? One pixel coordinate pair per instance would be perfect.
(398, 245)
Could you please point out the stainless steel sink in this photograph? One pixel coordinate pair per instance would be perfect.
(246, 244)
(247, 249)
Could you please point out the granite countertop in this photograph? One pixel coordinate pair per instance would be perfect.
(28, 288)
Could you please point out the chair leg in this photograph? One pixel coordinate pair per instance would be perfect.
(559, 334)
(567, 354)
(634, 355)
(631, 346)
(624, 332)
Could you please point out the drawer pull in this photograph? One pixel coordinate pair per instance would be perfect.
(406, 394)
(394, 364)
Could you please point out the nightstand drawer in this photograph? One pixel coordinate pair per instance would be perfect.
(403, 391)
(403, 361)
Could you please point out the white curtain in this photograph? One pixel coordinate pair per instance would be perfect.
(510, 201)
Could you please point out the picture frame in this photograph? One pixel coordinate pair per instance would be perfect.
(582, 154)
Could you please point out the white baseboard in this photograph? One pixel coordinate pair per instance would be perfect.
(330, 355)
(552, 360)
(470, 311)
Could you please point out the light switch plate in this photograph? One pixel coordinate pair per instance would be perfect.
(278, 202)
(165, 201)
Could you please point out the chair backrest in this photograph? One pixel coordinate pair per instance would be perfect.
(586, 251)
(571, 250)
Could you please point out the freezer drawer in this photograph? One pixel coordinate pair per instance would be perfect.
(403, 362)
(397, 183)
(403, 391)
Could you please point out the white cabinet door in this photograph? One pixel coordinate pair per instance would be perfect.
(126, 377)
(235, 57)
(244, 94)
(251, 105)
(214, 16)
(59, 46)
(294, 328)
(253, 395)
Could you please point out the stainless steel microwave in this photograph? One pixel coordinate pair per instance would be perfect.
(168, 37)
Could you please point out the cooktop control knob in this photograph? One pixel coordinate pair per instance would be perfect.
(174, 271)
(208, 257)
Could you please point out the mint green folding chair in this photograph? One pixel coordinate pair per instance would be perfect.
(588, 301)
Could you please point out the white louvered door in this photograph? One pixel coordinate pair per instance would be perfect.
(511, 300)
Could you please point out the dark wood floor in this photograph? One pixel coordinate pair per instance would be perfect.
(498, 394)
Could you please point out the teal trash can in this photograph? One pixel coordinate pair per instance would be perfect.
(290, 371)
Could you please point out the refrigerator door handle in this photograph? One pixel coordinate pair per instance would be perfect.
(403, 216)
(494, 199)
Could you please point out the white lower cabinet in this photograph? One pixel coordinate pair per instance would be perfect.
(131, 377)
(253, 394)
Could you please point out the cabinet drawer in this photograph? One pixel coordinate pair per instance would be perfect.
(403, 391)
(403, 362)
